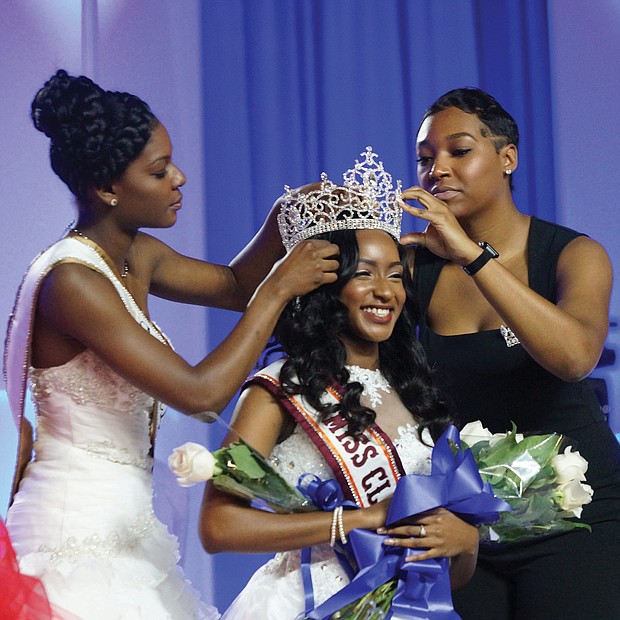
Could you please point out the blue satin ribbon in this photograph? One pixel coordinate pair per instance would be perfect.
(420, 590)
(423, 590)
(454, 483)
(306, 578)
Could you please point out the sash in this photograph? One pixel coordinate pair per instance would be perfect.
(17, 350)
(367, 466)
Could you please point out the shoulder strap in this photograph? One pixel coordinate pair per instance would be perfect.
(17, 350)
(545, 244)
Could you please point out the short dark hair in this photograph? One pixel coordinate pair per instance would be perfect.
(502, 126)
(95, 134)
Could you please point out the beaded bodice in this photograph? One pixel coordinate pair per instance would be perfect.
(86, 405)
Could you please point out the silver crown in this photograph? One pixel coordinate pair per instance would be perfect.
(367, 199)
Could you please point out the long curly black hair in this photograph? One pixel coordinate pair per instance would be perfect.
(95, 134)
(308, 333)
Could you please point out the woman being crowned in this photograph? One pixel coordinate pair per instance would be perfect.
(351, 400)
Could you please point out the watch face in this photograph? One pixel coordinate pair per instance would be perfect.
(489, 248)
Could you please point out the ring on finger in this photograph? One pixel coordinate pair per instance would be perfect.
(422, 533)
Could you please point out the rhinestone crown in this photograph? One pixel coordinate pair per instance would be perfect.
(367, 199)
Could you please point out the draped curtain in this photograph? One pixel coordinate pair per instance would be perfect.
(293, 88)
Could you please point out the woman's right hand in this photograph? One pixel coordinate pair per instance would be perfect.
(443, 235)
(307, 266)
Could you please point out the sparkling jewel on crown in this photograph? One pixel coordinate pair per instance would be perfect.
(367, 199)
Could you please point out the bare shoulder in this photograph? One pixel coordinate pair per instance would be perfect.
(146, 241)
(70, 279)
(255, 405)
(259, 418)
(172, 275)
(71, 289)
(584, 281)
(147, 250)
(73, 300)
(584, 253)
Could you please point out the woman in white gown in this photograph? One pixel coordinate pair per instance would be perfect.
(82, 520)
(352, 401)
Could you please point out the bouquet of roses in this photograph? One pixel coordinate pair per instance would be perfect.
(539, 476)
(238, 469)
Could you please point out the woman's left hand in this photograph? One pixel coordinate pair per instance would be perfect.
(439, 532)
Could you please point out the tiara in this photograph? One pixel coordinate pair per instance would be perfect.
(367, 199)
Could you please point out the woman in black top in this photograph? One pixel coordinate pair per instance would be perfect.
(513, 337)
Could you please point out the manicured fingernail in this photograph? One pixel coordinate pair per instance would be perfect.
(381, 530)
(389, 541)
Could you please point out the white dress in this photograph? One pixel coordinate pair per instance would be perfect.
(275, 591)
(82, 520)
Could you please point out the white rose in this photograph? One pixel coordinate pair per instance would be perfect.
(569, 466)
(473, 432)
(574, 495)
(191, 463)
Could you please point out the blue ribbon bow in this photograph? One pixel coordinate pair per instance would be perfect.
(324, 494)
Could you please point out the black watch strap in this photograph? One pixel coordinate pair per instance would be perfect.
(488, 252)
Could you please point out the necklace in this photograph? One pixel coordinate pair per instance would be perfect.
(372, 381)
(79, 233)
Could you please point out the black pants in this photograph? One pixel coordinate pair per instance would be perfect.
(575, 576)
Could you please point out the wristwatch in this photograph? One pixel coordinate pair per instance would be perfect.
(488, 252)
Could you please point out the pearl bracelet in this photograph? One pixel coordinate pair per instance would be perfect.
(337, 527)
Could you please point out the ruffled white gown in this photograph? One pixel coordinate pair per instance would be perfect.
(275, 591)
(82, 520)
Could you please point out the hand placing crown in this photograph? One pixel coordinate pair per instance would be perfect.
(367, 199)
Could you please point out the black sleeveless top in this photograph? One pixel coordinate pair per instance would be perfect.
(497, 384)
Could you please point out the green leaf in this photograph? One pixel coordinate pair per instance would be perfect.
(245, 460)
(371, 606)
(245, 473)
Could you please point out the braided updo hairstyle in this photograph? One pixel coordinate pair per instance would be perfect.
(95, 134)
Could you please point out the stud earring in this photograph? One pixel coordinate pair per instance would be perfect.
(113, 202)
(508, 171)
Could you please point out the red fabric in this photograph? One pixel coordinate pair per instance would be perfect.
(21, 597)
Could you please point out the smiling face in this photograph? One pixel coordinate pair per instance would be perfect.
(374, 297)
(148, 191)
(459, 164)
